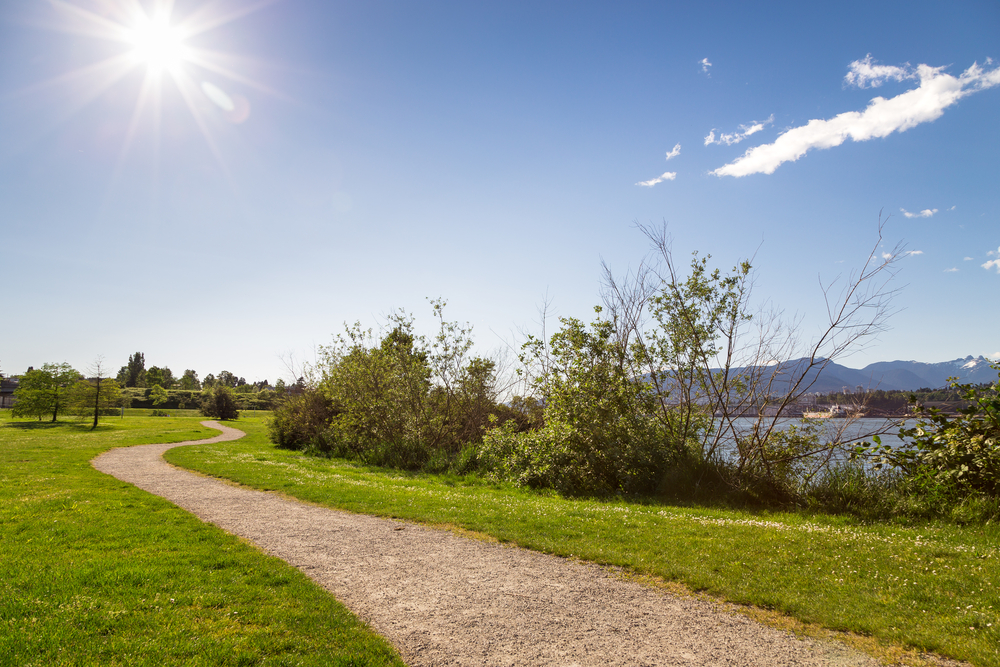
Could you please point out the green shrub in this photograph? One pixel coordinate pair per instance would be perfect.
(298, 422)
(220, 402)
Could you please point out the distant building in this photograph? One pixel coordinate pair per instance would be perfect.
(7, 389)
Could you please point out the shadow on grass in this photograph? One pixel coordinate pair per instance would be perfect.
(76, 426)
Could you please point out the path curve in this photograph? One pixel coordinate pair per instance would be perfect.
(443, 599)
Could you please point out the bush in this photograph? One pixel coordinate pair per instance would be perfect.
(220, 402)
(950, 453)
(300, 420)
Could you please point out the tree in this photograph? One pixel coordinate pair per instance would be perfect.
(44, 391)
(228, 379)
(160, 376)
(97, 394)
(717, 376)
(711, 354)
(134, 374)
(189, 381)
(158, 395)
(220, 402)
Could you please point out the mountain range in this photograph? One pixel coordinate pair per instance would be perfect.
(898, 375)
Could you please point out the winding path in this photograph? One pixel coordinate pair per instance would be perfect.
(443, 599)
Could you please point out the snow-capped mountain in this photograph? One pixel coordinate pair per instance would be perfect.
(909, 375)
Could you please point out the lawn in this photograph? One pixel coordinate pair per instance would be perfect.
(94, 571)
(930, 587)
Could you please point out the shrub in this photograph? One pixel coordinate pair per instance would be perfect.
(299, 421)
(950, 453)
(220, 402)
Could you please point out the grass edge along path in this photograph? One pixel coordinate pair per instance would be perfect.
(96, 571)
(895, 591)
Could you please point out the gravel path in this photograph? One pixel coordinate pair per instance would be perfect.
(443, 599)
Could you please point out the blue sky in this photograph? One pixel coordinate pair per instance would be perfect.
(233, 196)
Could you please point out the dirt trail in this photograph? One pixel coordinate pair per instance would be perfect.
(442, 599)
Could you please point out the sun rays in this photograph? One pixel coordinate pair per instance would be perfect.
(130, 37)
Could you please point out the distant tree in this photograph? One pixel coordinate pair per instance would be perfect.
(208, 382)
(96, 394)
(44, 391)
(189, 381)
(160, 376)
(134, 374)
(228, 379)
(158, 395)
(220, 402)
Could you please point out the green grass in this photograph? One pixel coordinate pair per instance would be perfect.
(96, 572)
(933, 587)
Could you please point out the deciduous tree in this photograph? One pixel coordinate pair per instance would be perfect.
(95, 395)
(44, 391)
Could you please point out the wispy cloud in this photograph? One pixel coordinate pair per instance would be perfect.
(866, 74)
(937, 91)
(993, 263)
(667, 176)
(967, 259)
(995, 355)
(951, 270)
(705, 65)
(915, 252)
(926, 213)
(742, 132)
(953, 208)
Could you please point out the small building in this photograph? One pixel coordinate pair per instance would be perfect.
(7, 389)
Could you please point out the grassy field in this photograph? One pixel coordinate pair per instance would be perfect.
(932, 587)
(95, 572)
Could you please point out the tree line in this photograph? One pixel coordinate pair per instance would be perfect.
(58, 388)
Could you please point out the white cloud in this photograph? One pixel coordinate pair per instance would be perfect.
(993, 263)
(967, 259)
(995, 355)
(953, 208)
(915, 252)
(742, 132)
(887, 256)
(926, 213)
(951, 270)
(705, 65)
(667, 176)
(675, 152)
(866, 74)
(937, 91)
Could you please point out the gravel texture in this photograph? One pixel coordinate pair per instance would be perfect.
(444, 599)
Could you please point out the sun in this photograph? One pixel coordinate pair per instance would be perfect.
(157, 44)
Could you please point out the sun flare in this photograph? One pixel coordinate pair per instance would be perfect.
(158, 45)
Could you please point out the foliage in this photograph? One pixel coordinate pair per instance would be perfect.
(600, 435)
(189, 381)
(300, 420)
(133, 374)
(401, 398)
(219, 402)
(96, 397)
(163, 377)
(944, 451)
(158, 395)
(44, 391)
